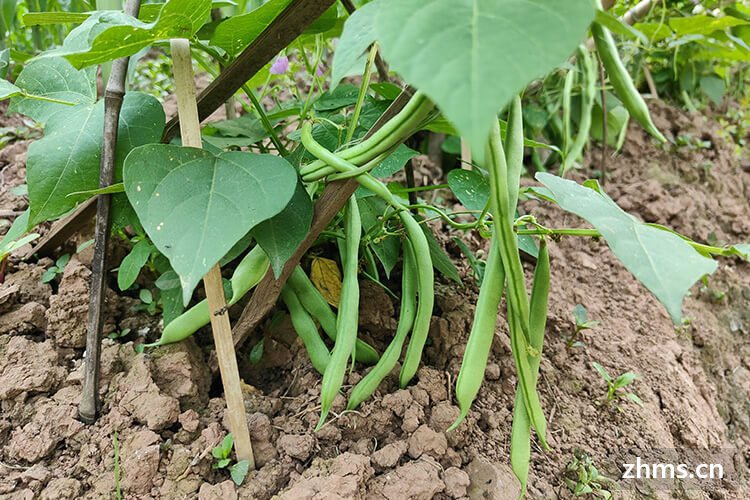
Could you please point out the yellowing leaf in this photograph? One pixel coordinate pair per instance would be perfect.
(326, 276)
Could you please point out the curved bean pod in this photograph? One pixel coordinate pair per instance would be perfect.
(306, 329)
(620, 79)
(573, 154)
(520, 444)
(346, 325)
(248, 273)
(317, 306)
(388, 360)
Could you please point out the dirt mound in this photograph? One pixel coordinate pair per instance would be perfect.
(156, 406)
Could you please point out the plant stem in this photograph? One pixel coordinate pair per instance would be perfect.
(48, 99)
(191, 137)
(362, 93)
(264, 120)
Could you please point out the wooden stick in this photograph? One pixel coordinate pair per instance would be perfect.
(331, 201)
(230, 377)
(113, 97)
(284, 29)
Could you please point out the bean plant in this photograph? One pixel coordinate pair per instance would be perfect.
(245, 199)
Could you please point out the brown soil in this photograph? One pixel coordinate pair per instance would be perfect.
(165, 410)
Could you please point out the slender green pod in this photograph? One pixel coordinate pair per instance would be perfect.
(248, 273)
(383, 140)
(474, 363)
(518, 306)
(520, 444)
(426, 295)
(388, 360)
(418, 239)
(503, 221)
(346, 324)
(514, 151)
(306, 329)
(573, 154)
(316, 305)
(620, 79)
(570, 78)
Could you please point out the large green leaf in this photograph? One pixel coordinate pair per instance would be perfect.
(280, 235)
(703, 25)
(196, 205)
(107, 35)
(665, 263)
(53, 78)
(67, 159)
(236, 32)
(468, 56)
(470, 187)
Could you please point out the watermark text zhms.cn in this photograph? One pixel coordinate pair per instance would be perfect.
(645, 470)
(683, 469)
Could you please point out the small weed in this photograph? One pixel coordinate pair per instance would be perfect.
(582, 477)
(119, 334)
(58, 268)
(221, 453)
(582, 323)
(614, 386)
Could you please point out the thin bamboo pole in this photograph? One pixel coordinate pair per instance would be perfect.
(191, 136)
(113, 97)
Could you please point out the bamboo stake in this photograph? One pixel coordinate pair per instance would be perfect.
(191, 136)
(113, 97)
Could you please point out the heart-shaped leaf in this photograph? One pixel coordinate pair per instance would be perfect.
(469, 56)
(53, 78)
(196, 205)
(67, 159)
(665, 263)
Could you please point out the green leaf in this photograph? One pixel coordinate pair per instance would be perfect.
(625, 379)
(341, 97)
(395, 162)
(145, 295)
(68, 157)
(16, 230)
(195, 205)
(54, 78)
(226, 445)
(108, 35)
(440, 260)
(714, 87)
(8, 90)
(469, 57)
(62, 261)
(665, 263)
(386, 90)
(743, 250)
(171, 302)
(602, 372)
(616, 26)
(49, 274)
(4, 62)
(131, 265)
(114, 188)
(387, 250)
(45, 18)
(280, 235)
(168, 281)
(236, 32)
(470, 187)
(325, 22)
(634, 398)
(8, 246)
(703, 25)
(256, 353)
(580, 314)
(238, 471)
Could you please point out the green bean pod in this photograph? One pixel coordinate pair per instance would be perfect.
(388, 360)
(319, 309)
(384, 139)
(425, 271)
(518, 306)
(520, 444)
(248, 273)
(514, 146)
(570, 78)
(346, 324)
(474, 362)
(573, 154)
(620, 79)
(306, 329)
